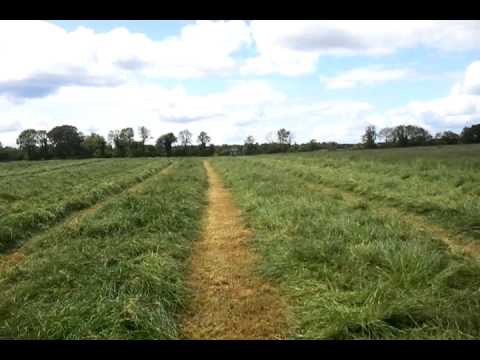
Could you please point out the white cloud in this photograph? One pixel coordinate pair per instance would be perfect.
(10, 126)
(365, 77)
(471, 81)
(33, 50)
(451, 111)
(96, 81)
(322, 120)
(458, 109)
(131, 105)
(244, 108)
(293, 47)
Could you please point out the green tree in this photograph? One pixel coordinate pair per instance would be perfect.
(447, 137)
(42, 141)
(250, 147)
(127, 137)
(313, 145)
(185, 138)
(27, 141)
(66, 140)
(95, 144)
(387, 135)
(471, 134)
(418, 135)
(369, 137)
(203, 139)
(284, 137)
(409, 135)
(164, 143)
(250, 140)
(144, 135)
(115, 143)
(122, 141)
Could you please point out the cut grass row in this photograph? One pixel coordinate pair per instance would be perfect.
(350, 273)
(118, 275)
(17, 193)
(447, 196)
(42, 167)
(21, 166)
(43, 211)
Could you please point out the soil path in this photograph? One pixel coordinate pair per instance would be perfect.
(229, 300)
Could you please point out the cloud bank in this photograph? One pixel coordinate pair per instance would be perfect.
(100, 81)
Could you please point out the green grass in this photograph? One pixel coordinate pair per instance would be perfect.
(119, 275)
(440, 183)
(31, 203)
(348, 270)
(20, 168)
(350, 274)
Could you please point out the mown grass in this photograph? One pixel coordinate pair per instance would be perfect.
(21, 168)
(118, 275)
(31, 204)
(439, 183)
(348, 273)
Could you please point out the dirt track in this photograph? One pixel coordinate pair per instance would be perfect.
(229, 300)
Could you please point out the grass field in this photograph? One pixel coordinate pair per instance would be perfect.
(116, 274)
(377, 244)
(352, 267)
(33, 199)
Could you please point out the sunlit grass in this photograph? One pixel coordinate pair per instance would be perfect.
(348, 272)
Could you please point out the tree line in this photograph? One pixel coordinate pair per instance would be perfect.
(66, 142)
(411, 135)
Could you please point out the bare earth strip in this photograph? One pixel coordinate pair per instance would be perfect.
(229, 300)
(14, 257)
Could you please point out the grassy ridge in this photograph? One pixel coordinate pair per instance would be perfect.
(69, 190)
(349, 273)
(119, 274)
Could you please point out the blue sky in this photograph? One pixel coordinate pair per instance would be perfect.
(326, 80)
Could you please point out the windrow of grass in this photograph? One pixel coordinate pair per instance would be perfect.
(65, 192)
(348, 273)
(14, 167)
(446, 194)
(19, 192)
(21, 168)
(118, 275)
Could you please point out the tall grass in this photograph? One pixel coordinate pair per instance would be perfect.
(440, 183)
(118, 275)
(34, 203)
(20, 168)
(348, 273)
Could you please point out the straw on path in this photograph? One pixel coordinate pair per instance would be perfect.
(229, 300)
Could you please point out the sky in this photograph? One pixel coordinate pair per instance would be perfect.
(322, 80)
